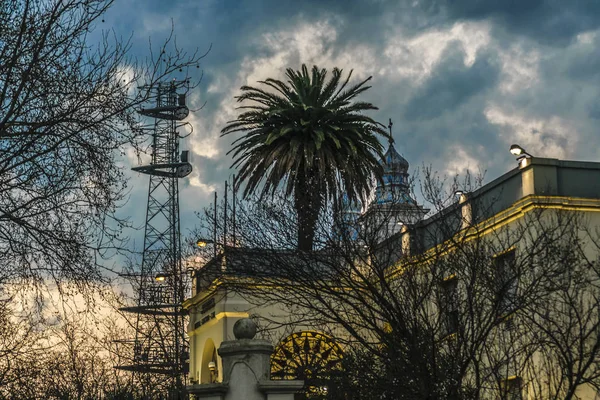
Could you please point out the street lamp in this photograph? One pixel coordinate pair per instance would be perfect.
(204, 242)
(522, 155)
(461, 195)
(161, 277)
(518, 151)
(212, 367)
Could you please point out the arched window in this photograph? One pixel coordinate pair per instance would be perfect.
(308, 355)
(209, 368)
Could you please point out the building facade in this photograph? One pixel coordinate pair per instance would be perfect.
(512, 206)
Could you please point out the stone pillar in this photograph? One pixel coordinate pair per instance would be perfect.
(246, 370)
(246, 361)
(466, 211)
(406, 247)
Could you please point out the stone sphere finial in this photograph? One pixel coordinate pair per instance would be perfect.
(244, 328)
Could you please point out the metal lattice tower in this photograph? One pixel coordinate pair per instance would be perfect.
(160, 345)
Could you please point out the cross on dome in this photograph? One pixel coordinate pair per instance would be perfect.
(394, 187)
(392, 161)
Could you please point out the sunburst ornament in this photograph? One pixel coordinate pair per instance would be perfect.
(306, 355)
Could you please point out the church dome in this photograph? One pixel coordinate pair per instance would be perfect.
(393, 202)
(393, 162)
(394, 185)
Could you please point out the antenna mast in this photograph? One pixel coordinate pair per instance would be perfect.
(160, 345)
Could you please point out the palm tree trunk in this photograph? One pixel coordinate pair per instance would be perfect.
(307, 202)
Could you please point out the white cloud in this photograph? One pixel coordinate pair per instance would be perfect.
(135, 158)
(415, 57)
(194, 180)
(460, 161)
(204, 139)
(307, 42)
(519, 68)
(153, 23)
(310, 43)
(587, 37)
(550, 137)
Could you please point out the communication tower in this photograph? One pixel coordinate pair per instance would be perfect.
(160, 345)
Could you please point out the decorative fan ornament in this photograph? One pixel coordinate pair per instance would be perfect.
(307, 355)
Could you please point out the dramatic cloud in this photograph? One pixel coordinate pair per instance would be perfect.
(462, 79)
(452, 84)
(553, 22)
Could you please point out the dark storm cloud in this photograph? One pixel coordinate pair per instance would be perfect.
(553, 22)
(435, 115)
(451, 84)
(585, 63)
(233, 25)
(461, 138)
(594, 109)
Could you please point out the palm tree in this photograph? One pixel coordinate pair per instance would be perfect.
(309, 137)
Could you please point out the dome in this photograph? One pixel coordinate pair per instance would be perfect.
(393, 161)
(394, 185)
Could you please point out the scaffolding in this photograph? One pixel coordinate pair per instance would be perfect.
(160, 345)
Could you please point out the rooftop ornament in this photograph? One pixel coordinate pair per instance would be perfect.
(244, 328)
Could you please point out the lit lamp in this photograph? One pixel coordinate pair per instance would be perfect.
(204, 242)
(161, 277)
(461, 195)
(518, 151)
(212, 367)
(521, 154)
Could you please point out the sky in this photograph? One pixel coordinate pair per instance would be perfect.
(462, 80)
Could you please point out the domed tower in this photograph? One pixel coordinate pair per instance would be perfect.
(393, 205)
(395, 187)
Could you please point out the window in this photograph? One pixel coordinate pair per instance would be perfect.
(506, 282)
(449, 305)
(512, 388)
(208, 305)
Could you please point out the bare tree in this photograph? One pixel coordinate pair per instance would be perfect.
(21, 342)
(64, 353)
(562, 325)
(447, 309)
(67, 112)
